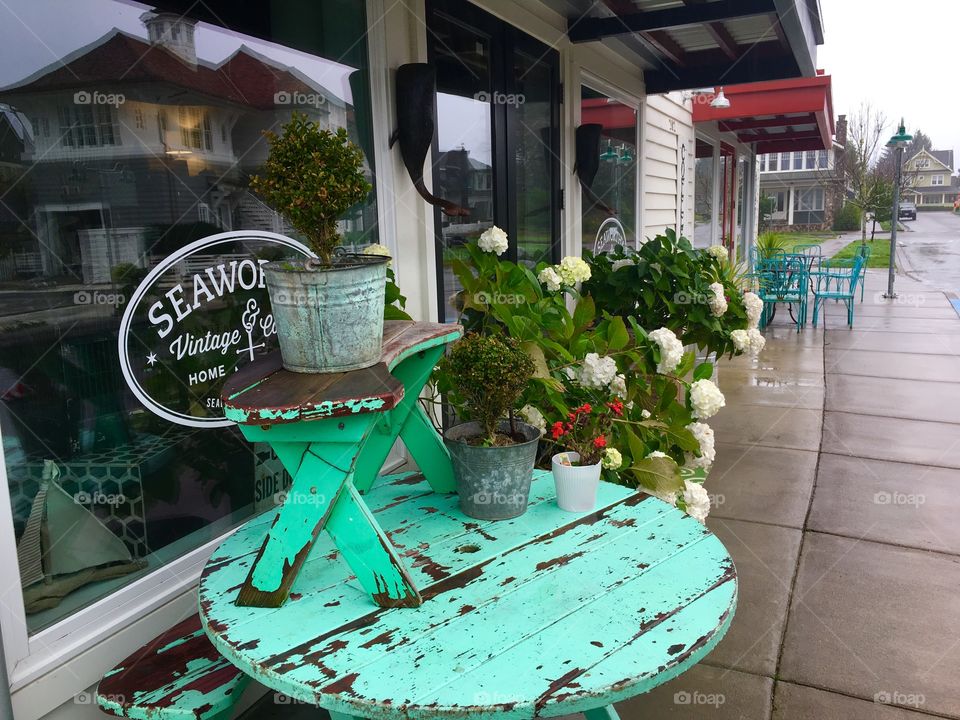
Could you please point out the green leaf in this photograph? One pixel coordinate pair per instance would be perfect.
(392, 312)
(584, 313)
(619, 338)
(661, 475)
(540, 368)
(703, 371)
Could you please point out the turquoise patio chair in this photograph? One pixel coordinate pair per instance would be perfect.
(837, 280)
(864, 251)
(783, 278)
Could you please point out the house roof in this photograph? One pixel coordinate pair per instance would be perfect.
(775, 116)
(943, 157)
(119, 59)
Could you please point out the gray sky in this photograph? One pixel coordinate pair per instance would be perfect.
(899, 56)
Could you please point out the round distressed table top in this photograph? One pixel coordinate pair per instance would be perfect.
(546, 614)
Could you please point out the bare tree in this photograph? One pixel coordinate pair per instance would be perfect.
(852, 173)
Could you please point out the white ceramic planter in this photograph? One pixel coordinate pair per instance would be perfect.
(576, 484)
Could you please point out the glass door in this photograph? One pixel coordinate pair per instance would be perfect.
(497, 140)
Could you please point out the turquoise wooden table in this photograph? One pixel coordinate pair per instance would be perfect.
(333, 432)
(546, 614)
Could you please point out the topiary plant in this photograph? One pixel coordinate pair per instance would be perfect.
(312, 176)
(485, 375)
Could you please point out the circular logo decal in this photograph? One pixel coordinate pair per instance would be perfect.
(197, 317)
(609, 235)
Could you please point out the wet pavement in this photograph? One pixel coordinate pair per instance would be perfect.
(929, 251)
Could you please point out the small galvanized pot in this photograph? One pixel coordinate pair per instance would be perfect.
(576, 484)
(493, 482)
(330, 319)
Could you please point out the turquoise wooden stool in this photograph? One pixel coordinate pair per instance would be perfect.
(546, 614)
(332, 432)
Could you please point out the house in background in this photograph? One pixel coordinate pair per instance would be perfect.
(801, 184)
(931, 183)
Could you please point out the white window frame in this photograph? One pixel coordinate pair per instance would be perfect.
(936, 180)
(30, 657)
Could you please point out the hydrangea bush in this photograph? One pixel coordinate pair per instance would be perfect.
(583, 355)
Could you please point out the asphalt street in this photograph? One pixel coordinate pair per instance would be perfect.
(930, 250)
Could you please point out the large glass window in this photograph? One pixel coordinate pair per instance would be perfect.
(128, 133)
(704, 220)
(610, 215)
(496, 147)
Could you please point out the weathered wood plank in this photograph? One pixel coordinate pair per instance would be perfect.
(178, 675)
(503, 598)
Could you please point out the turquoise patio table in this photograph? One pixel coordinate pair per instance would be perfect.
(546, 614)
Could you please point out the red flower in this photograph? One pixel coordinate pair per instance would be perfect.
(600, 442)
(616, 407)
(557, 430)
(585, 408)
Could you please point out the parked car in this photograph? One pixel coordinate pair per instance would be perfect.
(908, 211)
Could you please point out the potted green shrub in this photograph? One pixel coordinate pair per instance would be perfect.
(328, 310)
(493, 453)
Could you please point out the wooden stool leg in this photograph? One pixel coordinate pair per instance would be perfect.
(428, 450)
(322, 496)
(609, 712)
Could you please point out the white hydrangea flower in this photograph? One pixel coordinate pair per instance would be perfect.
(645, 414)
(493, 240)
(717, 300)
(656, 454)
(625, 262)
(706, 399)
(697, 500)
(741, 340)
(597, 372)
(618, 386)
(570, 373)
(671, 350)
(612, 459)
(757, 341)
(704, 436)
(550, 278)
(667, 496)
(754, 308)
(534, 417)
(378, 249)
(718, 251)
(573, 270)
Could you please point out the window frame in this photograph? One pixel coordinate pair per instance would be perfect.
(936, 180)
(102, 626)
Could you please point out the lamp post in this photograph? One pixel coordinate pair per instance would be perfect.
(899, 142)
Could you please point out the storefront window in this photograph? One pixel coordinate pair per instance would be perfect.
(128, 133)
(610, 216)
(703, 206)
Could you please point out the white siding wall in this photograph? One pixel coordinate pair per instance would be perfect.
(667, 134)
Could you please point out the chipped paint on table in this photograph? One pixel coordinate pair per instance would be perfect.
(333, 432)
(179, 675)
(546, 614)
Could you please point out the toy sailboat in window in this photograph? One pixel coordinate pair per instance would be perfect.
(64, 546)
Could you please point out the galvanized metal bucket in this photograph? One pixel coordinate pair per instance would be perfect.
(493, 482)
(328, 320)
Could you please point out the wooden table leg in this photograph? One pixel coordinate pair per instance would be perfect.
(409, 422)
(322, 496)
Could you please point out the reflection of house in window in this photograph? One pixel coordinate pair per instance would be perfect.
(133, 137)
(467, 181)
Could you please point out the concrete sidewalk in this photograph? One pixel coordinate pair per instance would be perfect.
(836, 492)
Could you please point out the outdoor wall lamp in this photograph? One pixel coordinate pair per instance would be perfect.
(720, 102)
(898, 141)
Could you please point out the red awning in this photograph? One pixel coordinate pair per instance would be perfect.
(776, 116)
